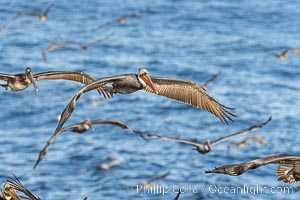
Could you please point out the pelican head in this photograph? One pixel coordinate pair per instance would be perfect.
(145, 79)
(28, 73)
(87, 124)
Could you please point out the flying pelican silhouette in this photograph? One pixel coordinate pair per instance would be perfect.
(151, 182)
(207, 146)
(122, 19)
(283, 55)
(287, 174)
(41, 17)
(18, 82)
(82, 127)
(53, 46)
(181, 90)
(244, 142)
(86, 47)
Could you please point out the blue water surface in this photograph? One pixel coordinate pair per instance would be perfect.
(190, 40)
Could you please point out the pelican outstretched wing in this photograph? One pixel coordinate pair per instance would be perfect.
(77, 76)
(244, 132)
(45, 149)
(191, 93)
(6, 77)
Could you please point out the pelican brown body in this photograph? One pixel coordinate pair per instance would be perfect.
(41, 17)
(288, 174)
(18, 82)
(82, 128)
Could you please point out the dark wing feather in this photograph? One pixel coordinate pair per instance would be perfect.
(244, 132)
(238, 169)
(15, 182)
(77, 76)
(48, 9)
(205, 85)
(11, 20)
(121, 18)
(23, 14)
(45, 149)
(44, 55)
(116, 123)
(105, 24)
(6, 77)
(137, 14)
(190, 93)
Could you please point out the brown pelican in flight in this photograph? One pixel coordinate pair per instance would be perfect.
(41, 17)
(283, 55)
(214, 77)
(52, 47)
(82, 128)
(288, 170)
(9, 191)
(122, 19)
(207, 146)
(18, 82)
(244, 142)
(181, 90)
(86, 47)
(151, 182)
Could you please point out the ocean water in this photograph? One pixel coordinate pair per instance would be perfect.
(190, 40)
